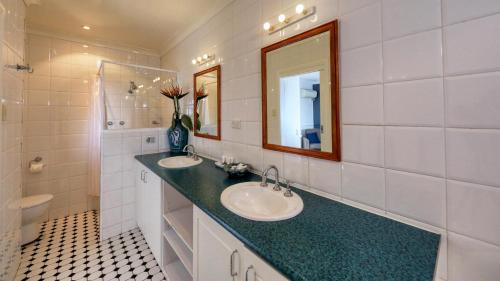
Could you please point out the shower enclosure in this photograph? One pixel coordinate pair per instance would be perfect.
(131, 96)
(129, 117)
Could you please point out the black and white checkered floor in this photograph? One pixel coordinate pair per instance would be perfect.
(69, 249)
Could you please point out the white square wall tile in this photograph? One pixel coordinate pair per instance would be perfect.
(473, 210)
(363, 144)
(111, 164)
(470, 259)
(415, 196)
(473, 101)
(325, 175)
(414, 103)
(296, 168)
(419, 150)
(271, 157)
(472, 46)
(364, 184)
(347, 6)
(111, 217)
(459, 10)
(361, 66)
(362, 105)
(415, 56)
(361, 27)
(402, 17)
(473, 156)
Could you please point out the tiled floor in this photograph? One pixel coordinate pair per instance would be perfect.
(69, 249)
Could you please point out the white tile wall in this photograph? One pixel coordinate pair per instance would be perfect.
(420, 113)
(12, 14)
(118, 175)
(56, 114)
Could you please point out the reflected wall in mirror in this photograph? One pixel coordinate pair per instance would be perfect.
(207, 103)
(300, 94)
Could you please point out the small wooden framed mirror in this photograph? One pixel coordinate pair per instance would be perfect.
(207, 96)
(300, 94)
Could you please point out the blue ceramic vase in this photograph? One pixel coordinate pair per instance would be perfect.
(177, 136)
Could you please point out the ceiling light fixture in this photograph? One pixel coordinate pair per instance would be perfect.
(86, 27)
(205, 58)
(85, 46)
(289, 18)
(299, 9)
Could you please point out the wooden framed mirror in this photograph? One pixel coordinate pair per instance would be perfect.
(300, 94)
(207, 96)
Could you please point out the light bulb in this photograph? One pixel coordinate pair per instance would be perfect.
(299, 9)
(281, 18)
(85, 46)
(205, 56)
(86, 27)
(193, 61)
(198, 59)
(267, 26)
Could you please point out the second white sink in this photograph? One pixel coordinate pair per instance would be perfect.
(178, 162)
(251, 201)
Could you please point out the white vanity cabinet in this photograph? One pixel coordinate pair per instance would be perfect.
(220, 256)
(149, 208)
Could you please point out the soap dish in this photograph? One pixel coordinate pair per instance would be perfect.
(237, 170)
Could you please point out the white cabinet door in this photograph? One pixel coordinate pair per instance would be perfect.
(217, 254)
(151, 206)
(255, 269)
(148, 208)
(139, 185)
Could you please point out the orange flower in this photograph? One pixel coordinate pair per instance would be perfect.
(174, 91)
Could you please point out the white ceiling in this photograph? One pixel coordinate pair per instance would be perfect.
(154, 25)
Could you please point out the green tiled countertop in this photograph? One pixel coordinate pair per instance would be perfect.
(327, 241)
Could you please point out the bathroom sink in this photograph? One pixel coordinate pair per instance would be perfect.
(251, 201)
(178, 162)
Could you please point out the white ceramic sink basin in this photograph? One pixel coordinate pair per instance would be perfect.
(251, 201)
(178, 162)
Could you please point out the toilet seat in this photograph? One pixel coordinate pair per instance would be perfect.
(35, 200)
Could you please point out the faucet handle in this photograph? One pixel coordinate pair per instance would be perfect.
(288, 190)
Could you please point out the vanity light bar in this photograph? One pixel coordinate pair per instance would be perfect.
(283, 20)
(203, 59)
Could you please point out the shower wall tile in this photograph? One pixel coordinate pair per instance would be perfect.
(11, 95)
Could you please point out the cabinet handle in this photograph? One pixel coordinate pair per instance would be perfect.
(142, 175)
(145, 179)
(233, 272)
(246, 273)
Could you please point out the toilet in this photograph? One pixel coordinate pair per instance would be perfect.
(33, 207)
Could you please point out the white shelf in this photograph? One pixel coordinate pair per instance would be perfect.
(181, 220)
(184, 253)
(175, 271)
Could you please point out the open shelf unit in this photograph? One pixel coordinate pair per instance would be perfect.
(172, 266)
(185, 255)
(181, 221)
(177, 234)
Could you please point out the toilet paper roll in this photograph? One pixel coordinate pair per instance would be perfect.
(36, 168)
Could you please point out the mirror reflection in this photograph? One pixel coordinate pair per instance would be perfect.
(207, 103)
(299, 110)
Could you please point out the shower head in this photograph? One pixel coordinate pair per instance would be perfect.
(132, 87)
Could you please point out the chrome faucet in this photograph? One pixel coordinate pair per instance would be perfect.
(277, 186)
(288, 191)
(191, 152)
